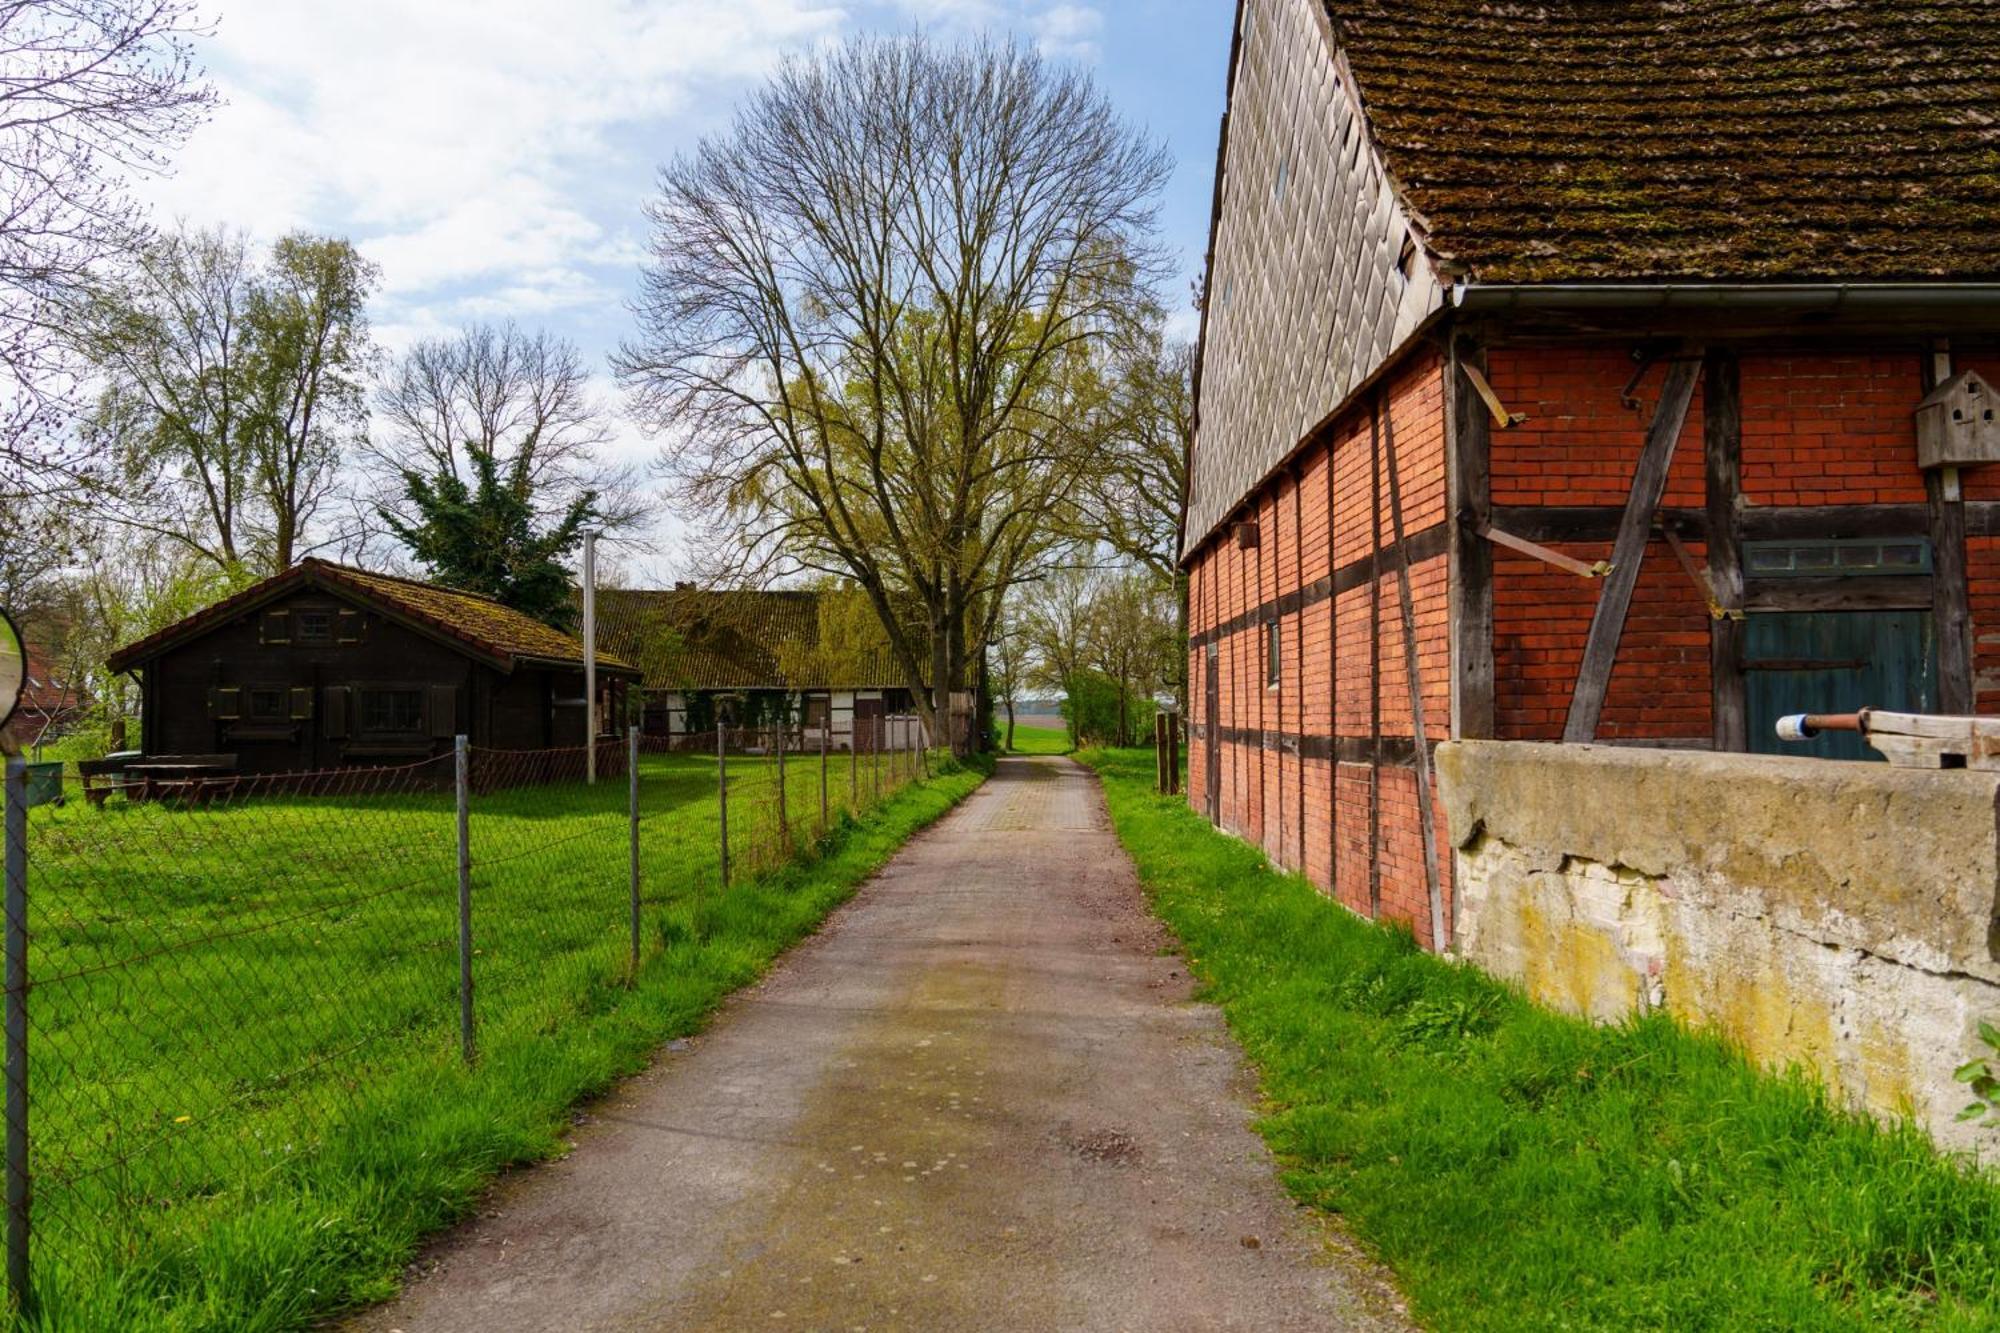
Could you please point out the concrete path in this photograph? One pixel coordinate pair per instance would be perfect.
(980, 1099)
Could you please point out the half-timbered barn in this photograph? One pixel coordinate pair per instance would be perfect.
(1604, 372)
(815, 658)
(324, 666)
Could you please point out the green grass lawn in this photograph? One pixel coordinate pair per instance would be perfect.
(1039, 740)
(248, 1100)
(1523, 1170)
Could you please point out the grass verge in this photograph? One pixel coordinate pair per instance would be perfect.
(1523, 1170)
(1041, 740)
(342, 1204)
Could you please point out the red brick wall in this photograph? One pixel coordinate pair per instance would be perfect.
(1308, 812)
(1819, 428)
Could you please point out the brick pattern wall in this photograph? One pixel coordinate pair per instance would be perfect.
(1294, 773)
(1820, 428)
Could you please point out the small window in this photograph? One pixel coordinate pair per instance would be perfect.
(313, 627)
(392, 712)
(264, 704)
(1274, 654)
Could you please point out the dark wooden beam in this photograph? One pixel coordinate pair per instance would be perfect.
(1585, 523)
(1892, 592)
(1722, 454)
(1951, 603)
(1469, 445)
(1628, 553)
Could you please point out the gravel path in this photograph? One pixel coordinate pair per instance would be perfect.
(979, 1099)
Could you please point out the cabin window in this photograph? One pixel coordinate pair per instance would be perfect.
(392, 712)
(1274, 647)
(264, 703)
(818, 707)
(313, 627)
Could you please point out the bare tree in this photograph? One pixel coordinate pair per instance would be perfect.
(92, 92)
(522, 399)
(168, 345)
(1140, 495)
(229, 388)
(872, 329)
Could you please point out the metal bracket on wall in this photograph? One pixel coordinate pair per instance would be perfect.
(1501, 416)
(1568, 564)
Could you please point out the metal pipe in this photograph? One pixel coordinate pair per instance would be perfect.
(632, 804)
(1805, 726)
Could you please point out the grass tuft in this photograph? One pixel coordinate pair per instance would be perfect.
(1524, 1170)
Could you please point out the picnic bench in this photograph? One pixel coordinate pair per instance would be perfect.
(153, 777)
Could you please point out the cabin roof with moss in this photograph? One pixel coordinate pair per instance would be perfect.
(687, 638)
(1693, 140)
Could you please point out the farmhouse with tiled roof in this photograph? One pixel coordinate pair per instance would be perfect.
(1616, 371)
(820, 651)
(324, 666)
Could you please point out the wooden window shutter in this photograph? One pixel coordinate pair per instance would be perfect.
(302, 704)
(276, 627)
(444, 712)
(334, 722)
(225, 703)
(347, 627)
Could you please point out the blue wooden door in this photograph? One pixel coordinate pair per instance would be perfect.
(1835, 662)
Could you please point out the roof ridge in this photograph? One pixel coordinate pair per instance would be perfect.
(339, 568)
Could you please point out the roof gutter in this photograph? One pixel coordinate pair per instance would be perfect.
(1781, 297)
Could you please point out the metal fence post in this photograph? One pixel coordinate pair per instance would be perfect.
(822, 766)
(461, 751)
(853, 759)
(632, 804)
(784, 822)
(877, 734)
(20, 1291)
(722, 792)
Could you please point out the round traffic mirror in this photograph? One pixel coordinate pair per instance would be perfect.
(13, 668)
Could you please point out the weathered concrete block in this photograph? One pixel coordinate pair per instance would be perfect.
(1838, 916)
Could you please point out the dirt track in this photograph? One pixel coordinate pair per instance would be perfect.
(980, 1099)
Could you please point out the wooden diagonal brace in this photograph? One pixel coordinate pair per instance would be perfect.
(1716, 610)
(1628, 554)
(1548, 556)
(1501, 416)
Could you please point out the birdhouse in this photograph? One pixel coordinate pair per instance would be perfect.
(1957, 425)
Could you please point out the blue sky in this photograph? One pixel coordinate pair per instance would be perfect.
(492, 155)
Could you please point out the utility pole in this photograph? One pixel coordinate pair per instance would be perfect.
(590, 658)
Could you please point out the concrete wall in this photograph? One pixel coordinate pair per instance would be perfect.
(1839, 915)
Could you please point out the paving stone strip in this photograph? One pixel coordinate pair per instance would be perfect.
(981, 1098)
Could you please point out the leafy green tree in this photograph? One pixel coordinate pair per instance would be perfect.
(484, 538)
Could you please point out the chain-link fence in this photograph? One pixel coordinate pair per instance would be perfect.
(207, 976)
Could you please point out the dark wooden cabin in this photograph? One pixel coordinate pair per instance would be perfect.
(325, 666)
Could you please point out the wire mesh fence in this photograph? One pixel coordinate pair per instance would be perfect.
(208, 976)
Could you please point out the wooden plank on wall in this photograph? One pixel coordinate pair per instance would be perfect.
(1469, 447)
(1332, 691)
(1413, 675)
(1722, 429)
(1628, 553)
(1374, 673)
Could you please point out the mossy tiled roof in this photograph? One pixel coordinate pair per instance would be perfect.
(1697, 140)
(480, 624)
(741, 639)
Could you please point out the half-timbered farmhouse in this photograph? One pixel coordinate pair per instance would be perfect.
(325, 667)
(815, 658)
(1603, 372)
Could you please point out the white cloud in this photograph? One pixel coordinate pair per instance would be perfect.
(463, 140)
(1069, 32)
